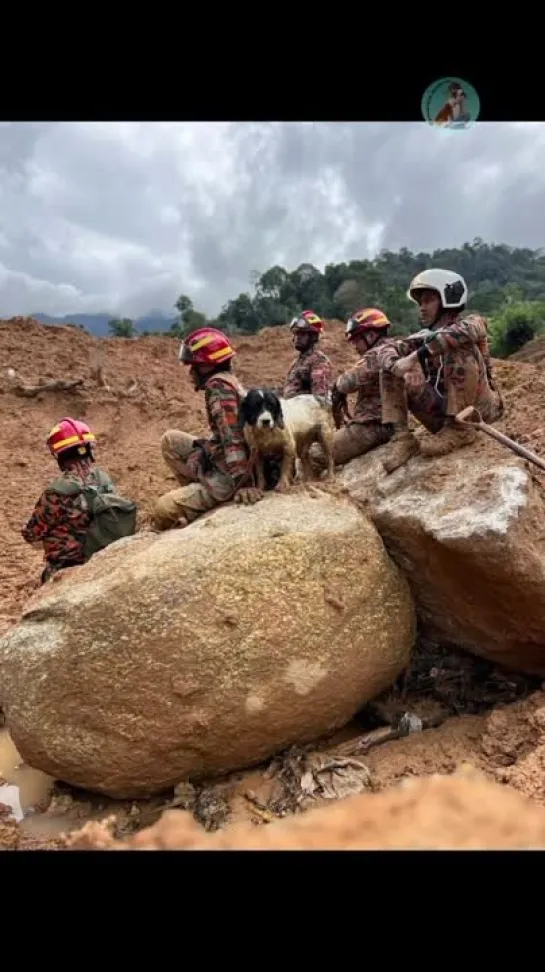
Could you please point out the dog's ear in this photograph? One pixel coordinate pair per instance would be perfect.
(243, 410)
(276, 409)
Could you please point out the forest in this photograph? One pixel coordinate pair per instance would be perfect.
(506, 284)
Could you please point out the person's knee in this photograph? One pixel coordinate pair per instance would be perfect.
(338, 451)
(167, 443)
(165, 513)
(346, 445)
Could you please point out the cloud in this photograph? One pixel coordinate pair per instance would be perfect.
(123, 217)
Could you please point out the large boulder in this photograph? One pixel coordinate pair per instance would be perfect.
(199, 651)
(468, 531)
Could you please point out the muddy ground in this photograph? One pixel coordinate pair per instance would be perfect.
(131, 392)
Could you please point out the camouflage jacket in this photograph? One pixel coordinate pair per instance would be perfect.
(463, 337)
(364, 380)
(226, 451)
(311, 373)
(60, 522)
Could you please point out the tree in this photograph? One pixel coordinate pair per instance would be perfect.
(506, 284)
(348, 297)
(122, 327)
(189, 319)
(239, 315)
(271, 283)
(183, 305)
(515, 325)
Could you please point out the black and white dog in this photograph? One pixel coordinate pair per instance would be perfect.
(285, 428)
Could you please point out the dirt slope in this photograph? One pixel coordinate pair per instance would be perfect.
(141, 392)
(532, 353)
(146, 391)
(465, 811)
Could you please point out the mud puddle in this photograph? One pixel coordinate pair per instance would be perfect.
(34, 787)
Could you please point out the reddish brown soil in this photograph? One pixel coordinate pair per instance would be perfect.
(463, 812)
(129, 424)
(142, 392)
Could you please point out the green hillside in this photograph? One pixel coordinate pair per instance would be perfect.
(506, 284)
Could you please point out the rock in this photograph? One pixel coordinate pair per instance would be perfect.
(468, 531)
(203, 650)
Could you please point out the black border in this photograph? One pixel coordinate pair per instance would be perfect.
(247, 904)
(262, 84)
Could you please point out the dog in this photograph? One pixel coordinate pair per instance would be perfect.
(285, 428)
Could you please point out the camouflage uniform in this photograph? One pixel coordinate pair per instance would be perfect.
(310, 374)
(61, 522)
(454, 371)
(209, 470)
(365, 430)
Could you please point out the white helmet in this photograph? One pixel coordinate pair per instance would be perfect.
(450, 286)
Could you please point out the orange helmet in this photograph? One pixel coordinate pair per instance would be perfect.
(307, 321)
(206, 346)
(367, 319)
(67, 434)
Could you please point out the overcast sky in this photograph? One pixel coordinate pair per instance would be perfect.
(123, 217)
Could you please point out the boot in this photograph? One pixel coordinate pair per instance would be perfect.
(404, 445)
(450, 438)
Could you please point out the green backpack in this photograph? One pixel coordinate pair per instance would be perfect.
(112, 516)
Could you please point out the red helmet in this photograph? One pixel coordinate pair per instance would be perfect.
(367, 319)
(307, 321)
(207, 346)
(67, 434)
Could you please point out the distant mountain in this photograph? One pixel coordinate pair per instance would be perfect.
(97, 324)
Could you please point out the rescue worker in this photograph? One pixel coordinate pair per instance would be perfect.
(451, 369)
(367, 331)
(312, 372)
(215, 470)
(60, 521)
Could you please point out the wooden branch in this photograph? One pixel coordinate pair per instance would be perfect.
(30, 391)
(376, 737)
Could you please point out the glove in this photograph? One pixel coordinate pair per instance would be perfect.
(248, 495)
(422, 335)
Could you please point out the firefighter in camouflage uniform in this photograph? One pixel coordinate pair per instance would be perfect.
(367, 331)
(60, 521)
(214, 470)
(311, 373)
(452, 363)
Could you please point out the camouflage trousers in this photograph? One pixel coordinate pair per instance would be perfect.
(198, 491)
(463, 386)
(350, 441)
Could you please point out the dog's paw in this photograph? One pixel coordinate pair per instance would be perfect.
(283, 486)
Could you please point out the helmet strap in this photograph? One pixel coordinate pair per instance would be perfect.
(367, 335)
(204, 372)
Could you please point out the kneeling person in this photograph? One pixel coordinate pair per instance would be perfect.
(81, 512)
(215, 470)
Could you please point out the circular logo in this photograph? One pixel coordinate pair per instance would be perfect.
(451, 103)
